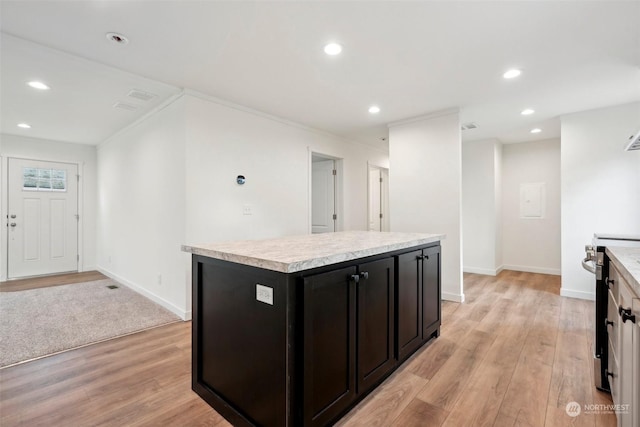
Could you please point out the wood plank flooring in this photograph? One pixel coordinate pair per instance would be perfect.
(514, 354)
(48, 281)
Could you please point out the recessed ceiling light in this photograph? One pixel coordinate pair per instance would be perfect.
(512, 73)
(527, 112)
(374, 109)
(333, 49)
(536, 130)
(38, 85)
(117, 38)
(24, 125)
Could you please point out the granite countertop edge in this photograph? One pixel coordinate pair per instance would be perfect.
(312, 262)
(627, 261)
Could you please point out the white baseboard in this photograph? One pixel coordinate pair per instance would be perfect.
(184, 315)
(452, 297)
(528, 269)
(564, 292)
(485, 271)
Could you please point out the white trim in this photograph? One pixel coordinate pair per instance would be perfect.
(423, 117)
(447, 296)
(478, 270)
(570, 293)
(80, 211)
(184, 315)
(528, 269)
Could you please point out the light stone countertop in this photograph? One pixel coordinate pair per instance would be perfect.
(627, 261)
(298, 253)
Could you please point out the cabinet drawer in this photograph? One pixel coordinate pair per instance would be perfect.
(614, 375)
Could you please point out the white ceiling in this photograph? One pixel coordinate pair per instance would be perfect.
(410, 58)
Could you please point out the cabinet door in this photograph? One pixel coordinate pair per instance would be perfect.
(376, 322)
(430, 291)
(329, 345)
(625, 348)
(409, 303)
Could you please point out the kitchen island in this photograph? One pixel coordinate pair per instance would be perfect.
(295, 331)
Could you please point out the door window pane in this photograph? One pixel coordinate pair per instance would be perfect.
(41, 179)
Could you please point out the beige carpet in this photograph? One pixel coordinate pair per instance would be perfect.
(43, 321)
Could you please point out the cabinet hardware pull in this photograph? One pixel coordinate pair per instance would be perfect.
(608, 322)
(364, 274)
(609, 374)
(423, 257)
(625, 313)
(608, 282)
(354, 278)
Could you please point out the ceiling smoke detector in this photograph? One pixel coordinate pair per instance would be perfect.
(117, 38)
(467, 126)
(141, 95)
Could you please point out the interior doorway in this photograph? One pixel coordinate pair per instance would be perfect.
(42, 218)
(325, 193)
(378, 199)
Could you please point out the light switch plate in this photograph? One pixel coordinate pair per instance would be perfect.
(264, 294)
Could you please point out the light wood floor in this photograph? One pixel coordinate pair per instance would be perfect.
(48, 281)
(514, 354)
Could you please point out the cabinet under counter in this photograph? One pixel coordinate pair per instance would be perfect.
(295, 331)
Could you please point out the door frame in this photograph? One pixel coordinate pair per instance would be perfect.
(384, 196)
(4, 209)
(339, 193)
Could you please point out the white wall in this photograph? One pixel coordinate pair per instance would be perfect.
(224, 142)
(85, 157)
(141, 207)
(177, 172)
(481, 206)
(425, 187)
(600, 186)
(531, 244)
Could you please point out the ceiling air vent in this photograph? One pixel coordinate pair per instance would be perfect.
(633, 143)
(141, 95)
(125, 106)
(467, 126)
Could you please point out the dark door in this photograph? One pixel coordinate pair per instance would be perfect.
(430, 291)
(329, 344)
(375, 322)
(409, 303)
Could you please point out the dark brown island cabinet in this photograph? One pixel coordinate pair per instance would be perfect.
(295, 331)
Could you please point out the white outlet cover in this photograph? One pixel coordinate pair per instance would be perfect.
(264, 294)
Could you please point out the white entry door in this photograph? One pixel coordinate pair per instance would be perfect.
(323, 201)
(43, 218)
